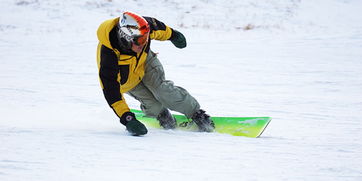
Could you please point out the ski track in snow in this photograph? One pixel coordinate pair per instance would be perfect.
(300, 63)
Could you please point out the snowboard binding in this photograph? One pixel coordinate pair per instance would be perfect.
(203, 121)
(167, 121)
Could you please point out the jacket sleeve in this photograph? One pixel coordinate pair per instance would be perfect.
(159, 31)
(110, 80)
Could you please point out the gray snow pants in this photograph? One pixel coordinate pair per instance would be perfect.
(156, 93)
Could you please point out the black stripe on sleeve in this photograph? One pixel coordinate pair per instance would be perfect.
(108, 74)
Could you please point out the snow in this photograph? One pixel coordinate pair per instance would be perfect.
(296, 61)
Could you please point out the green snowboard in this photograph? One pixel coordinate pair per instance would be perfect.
(237, 126)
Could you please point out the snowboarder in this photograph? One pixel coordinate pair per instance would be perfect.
(126, 64)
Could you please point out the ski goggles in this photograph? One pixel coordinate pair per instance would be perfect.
(138, 40)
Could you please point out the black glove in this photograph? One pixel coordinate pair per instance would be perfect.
(178, 39)
(134, 127)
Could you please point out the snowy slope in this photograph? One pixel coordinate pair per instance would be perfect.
(296, 61)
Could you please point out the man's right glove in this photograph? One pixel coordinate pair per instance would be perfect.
(178, 39)
(134, 127)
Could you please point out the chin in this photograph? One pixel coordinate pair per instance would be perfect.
(137, 50)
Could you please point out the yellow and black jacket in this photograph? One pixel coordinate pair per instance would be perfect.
(121, 70)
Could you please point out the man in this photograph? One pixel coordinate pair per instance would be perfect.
(127, 65)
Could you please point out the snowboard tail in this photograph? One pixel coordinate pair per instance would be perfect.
(237, 126)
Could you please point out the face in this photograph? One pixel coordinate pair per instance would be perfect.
(138, 46)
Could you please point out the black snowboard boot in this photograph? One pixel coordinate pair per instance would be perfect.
(203, 121)
(167, 121)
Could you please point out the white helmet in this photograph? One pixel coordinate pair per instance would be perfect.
(132, 29)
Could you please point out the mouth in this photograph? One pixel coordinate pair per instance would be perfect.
(137, 48)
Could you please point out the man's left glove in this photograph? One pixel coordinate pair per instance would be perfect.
(178, 39)
(134, 127)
